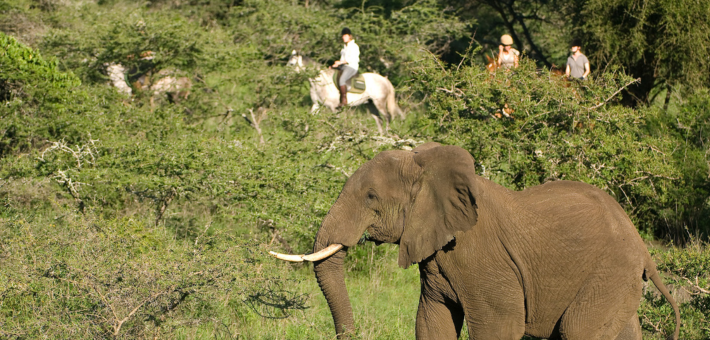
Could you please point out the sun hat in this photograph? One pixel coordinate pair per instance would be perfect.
(506, 39)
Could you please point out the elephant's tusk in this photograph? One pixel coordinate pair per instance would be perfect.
(285, 257)
(325, 253)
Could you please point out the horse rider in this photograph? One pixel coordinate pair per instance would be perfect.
(507, 55)
(347, 65)
(577, 63)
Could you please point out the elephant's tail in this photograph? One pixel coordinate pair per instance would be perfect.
(651, 273)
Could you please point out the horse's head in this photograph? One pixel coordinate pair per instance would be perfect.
(491, 64)
(557, 70)
(295, 61)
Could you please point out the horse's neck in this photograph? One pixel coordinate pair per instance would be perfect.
(308, 62)
(325, 75)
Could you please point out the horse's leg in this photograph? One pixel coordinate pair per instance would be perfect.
(378, 120)
(381, 106)
(376, 115)
(315, 107)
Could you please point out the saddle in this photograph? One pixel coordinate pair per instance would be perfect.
(355, 84)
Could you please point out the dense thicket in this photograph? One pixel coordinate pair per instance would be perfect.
(126, 219)
(663, 43)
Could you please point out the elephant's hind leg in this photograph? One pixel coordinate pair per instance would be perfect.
(632, 331)
(602, 310)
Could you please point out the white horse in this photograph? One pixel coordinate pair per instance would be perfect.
(379, 93)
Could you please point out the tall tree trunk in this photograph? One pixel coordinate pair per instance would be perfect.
(669, 91)
(505, 10)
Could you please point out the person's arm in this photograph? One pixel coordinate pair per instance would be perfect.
(499, 60)
(355, 55)
(567, 71)
(516, 60)
(343, 53)
(586, 70)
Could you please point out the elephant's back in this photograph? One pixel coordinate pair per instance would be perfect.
(578, 204)
(584, 213)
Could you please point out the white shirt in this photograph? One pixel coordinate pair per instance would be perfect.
(351, 54)
(508, 60)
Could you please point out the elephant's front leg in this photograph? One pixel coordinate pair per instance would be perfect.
(439, 316)
(438, 319)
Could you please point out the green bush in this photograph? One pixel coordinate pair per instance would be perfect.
(82, 276)
(28, 81)
(687, 274)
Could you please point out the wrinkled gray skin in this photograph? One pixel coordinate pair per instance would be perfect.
(561, 260)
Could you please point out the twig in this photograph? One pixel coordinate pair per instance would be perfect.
(331, 166)
(655, 327)
(278, 237)
(62, 178)
(255, 121)
(657, 176)
(624, 192)
(438, 62)
(164, 205)
(456, 91)
(203, 232)
(117, 328)
(696, 285)
(613, 94)
(225, 115)
(470, 43)
(78, 155)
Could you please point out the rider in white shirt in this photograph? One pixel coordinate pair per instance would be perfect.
(348, 64)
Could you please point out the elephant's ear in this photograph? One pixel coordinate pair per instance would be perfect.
(444, 202)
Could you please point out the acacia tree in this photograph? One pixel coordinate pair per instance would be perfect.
(664, 42)
(540, 28)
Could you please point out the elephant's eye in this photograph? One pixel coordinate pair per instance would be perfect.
(371, 196)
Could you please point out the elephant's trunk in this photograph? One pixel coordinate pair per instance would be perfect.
(331, 279)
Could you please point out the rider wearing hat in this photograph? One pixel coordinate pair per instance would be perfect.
(507, 55)
(577, 63)
(348, 64)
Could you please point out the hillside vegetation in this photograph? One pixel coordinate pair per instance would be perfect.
(150, 216)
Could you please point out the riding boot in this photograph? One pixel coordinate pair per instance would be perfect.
(343, 96)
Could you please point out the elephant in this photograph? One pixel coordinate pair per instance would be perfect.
(561, 260)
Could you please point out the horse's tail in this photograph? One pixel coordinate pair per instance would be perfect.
(651, 273)
(392, 106)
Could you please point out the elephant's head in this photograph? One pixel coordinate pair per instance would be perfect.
(419, 199)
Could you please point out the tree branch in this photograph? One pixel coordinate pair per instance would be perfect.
(538, 53)
(613, 95)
